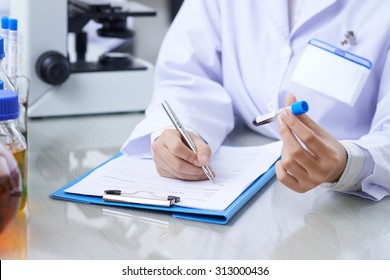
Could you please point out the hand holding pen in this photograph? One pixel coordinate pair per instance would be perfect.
(179, 154)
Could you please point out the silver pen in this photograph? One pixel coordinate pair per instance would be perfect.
(187, 139)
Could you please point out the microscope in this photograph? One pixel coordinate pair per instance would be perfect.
(116, 82)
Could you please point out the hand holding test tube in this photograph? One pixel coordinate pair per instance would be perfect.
(297, 108)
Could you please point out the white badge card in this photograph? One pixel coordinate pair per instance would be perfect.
(332, 71)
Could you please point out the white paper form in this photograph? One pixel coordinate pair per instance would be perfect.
(235, 168)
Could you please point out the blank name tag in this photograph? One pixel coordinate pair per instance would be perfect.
(332, 71)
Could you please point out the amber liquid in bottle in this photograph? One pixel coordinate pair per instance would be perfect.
(21, 159)
(13, 223)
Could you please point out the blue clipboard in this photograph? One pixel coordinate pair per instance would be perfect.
(201, 215)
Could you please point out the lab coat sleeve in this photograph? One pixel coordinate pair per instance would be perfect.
(188, 75)
(377, 142)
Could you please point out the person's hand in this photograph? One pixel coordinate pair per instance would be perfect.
(174, 159)
(310, 155)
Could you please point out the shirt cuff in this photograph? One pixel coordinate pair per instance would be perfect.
(359, 165)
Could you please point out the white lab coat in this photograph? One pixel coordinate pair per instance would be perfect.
(227, 58)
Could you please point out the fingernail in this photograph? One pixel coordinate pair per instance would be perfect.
(282, 117)
(280, 120)
(205, 158)
(285, 114)
(196, 163)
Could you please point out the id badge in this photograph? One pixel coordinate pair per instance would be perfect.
(332, 71)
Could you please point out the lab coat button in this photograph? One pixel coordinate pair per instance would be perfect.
(285, 52)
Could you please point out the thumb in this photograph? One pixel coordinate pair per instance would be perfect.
(204, 151)
(290, 99)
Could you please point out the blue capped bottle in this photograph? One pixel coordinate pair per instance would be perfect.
(11, 136)
(10, 186)
(13, 223)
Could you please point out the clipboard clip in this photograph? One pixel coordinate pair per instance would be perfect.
(118, 196)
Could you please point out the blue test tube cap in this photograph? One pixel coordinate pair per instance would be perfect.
(2, 53)
(1, 85)
(299, 108)
(13, 24)
(4, 22)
